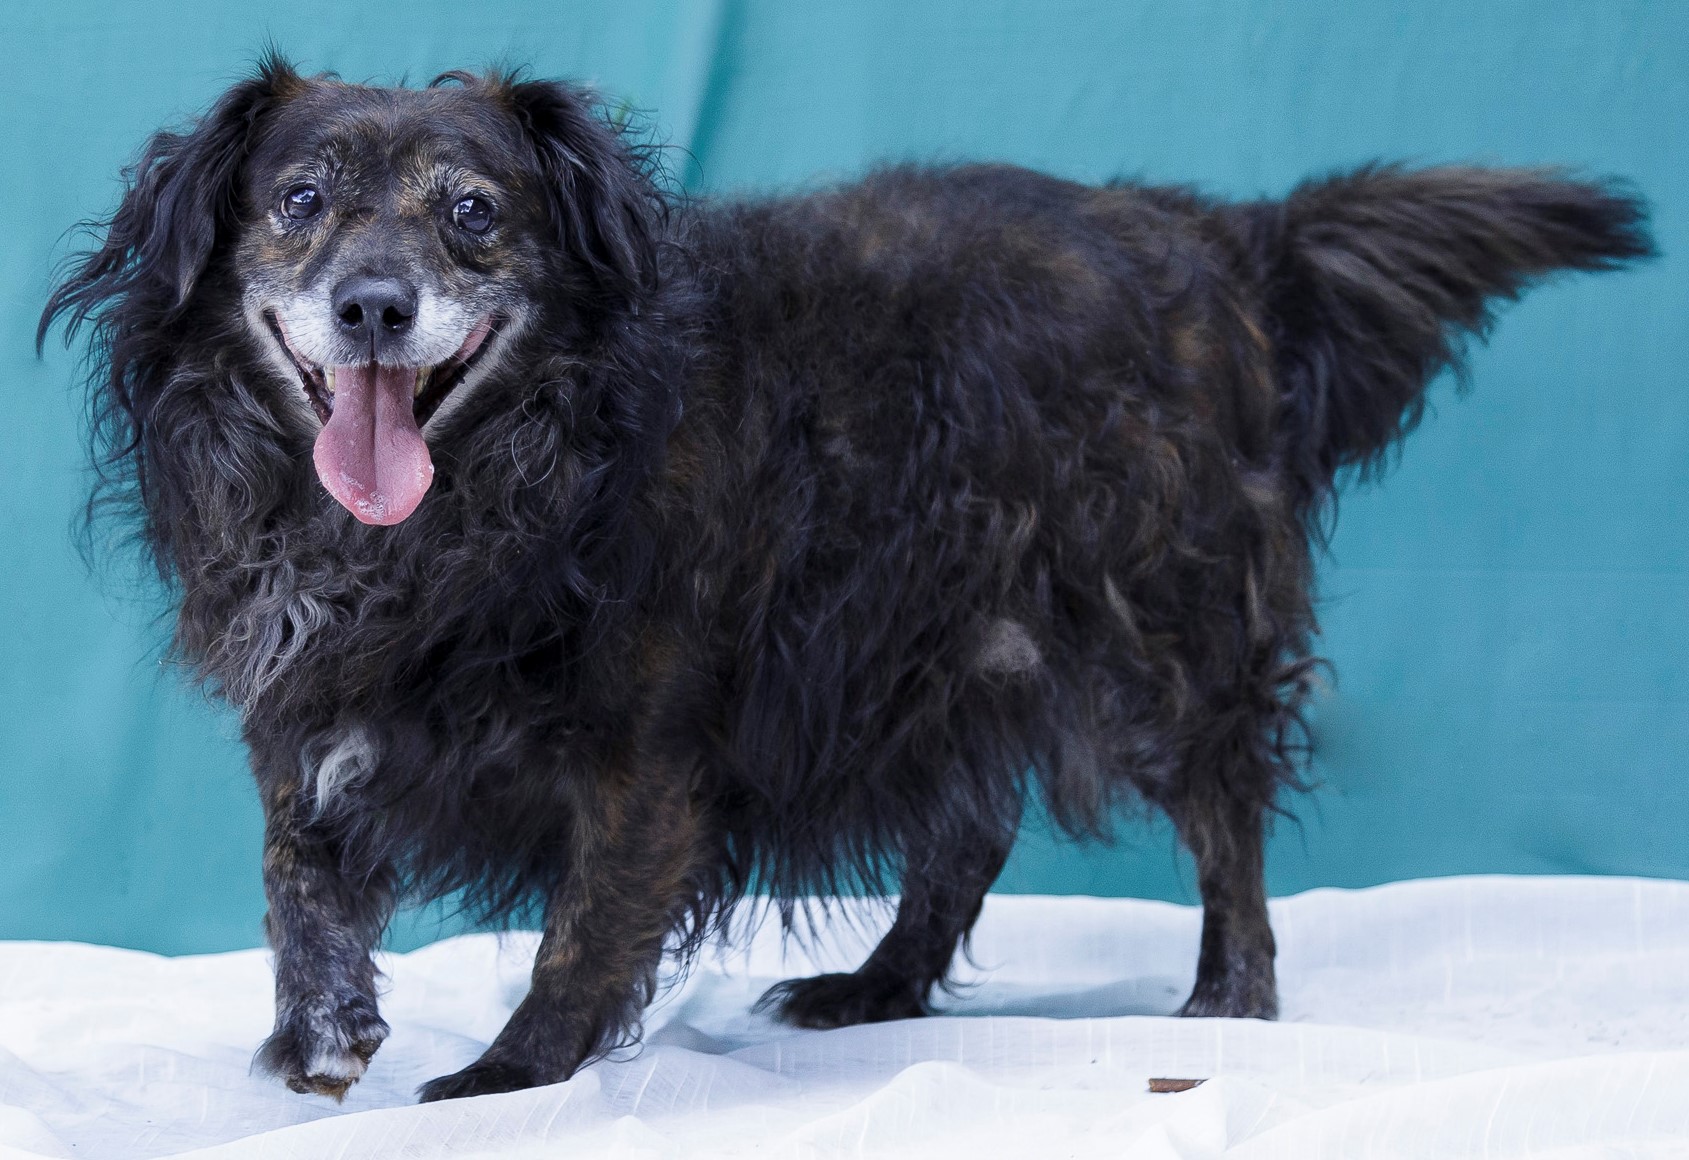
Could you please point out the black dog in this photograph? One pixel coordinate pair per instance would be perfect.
(656, 552)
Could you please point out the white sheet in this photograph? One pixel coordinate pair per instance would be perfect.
(1481, 1017)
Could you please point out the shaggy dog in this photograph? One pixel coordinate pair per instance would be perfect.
(576, 547)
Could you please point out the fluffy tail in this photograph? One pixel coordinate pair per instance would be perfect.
(1374, 279)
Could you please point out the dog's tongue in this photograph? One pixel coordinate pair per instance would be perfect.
(370, 455)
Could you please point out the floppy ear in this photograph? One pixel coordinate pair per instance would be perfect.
(604, 205)
(180, 202)
(133, 287)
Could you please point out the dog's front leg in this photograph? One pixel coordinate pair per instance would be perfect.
(322, 926)
(632, 883)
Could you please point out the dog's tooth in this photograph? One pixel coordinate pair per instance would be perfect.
(422, 374)
(328, 379)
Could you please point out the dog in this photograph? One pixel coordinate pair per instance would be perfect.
(607, 556)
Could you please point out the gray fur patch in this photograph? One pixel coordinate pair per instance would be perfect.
(1117, 603)
(332, 1056)
(271, 630)
(347, 763)
(1008, 648)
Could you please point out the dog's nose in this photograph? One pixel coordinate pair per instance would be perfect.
(374, 308)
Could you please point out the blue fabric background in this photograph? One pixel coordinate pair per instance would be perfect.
(1508, 613)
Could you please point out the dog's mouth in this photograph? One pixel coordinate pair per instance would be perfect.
(370, 454)
(431, 384)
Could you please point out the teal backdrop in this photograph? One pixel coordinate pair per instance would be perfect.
(1508, 612)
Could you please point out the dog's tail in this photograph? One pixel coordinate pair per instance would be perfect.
(1374, 279)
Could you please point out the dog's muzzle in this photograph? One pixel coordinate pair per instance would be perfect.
(370, 454)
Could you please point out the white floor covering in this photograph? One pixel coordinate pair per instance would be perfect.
(1463, 1017)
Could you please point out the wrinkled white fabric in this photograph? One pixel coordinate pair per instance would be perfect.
(1464, 1017)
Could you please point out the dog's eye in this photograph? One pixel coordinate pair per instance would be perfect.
(302, 202)
(474, 214)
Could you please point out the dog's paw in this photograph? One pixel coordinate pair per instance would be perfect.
(1231, 1003)
(322, 1046)
(484, 1077)
(828, 1001)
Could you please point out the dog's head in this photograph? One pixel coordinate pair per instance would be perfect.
(386, 250)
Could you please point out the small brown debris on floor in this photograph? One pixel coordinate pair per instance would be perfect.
(1160, 1086)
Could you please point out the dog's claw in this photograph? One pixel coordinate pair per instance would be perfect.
(320, 1085)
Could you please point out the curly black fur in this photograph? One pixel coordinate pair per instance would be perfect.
(791, 544)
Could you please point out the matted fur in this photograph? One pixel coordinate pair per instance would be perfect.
(791, 545)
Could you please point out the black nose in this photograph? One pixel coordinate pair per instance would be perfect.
(376, 308)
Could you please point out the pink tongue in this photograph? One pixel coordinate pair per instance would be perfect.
(370, 455)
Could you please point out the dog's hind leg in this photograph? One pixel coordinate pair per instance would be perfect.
(944, 887)
(322, 926)
(1220, 822)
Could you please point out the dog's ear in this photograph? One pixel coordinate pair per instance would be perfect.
(604, 204)
(179, 204)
